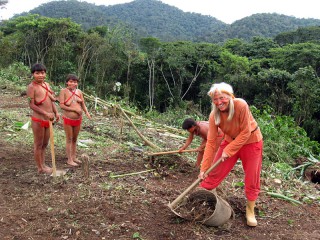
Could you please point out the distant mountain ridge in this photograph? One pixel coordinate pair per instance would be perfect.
(168, 23)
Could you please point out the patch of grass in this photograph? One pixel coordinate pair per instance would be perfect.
(137, 235)
(105, 186)
(290, 222)
(261, 213)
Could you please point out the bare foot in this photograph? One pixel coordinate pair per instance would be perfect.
(45, 169)
(77, 160)
(73, 164)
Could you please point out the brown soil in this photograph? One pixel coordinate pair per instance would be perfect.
(34, 206)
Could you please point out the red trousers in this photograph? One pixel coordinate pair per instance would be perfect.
(251, 158)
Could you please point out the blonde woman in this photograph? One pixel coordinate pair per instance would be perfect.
(242, 140)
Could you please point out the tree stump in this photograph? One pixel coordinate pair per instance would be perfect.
(85, 165)
(312, 173)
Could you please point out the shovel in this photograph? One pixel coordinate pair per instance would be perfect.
(55, 172)
(192, 186)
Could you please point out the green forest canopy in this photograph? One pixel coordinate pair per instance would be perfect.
(157, 75)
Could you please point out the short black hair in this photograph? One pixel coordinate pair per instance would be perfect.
(72, 77)
(188, 123)
(37, 67)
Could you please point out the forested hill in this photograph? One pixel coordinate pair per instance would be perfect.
(146, 17)
(168, 23)
(265, 25)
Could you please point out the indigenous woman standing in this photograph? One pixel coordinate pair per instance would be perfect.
(72, 103)
(243, 140)
(41, 102)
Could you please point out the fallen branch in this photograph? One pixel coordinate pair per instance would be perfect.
(124, 112)
(131, 174)
(104, 103)
(278, 195)
(172, 135)
(158, 126)
(138, 132)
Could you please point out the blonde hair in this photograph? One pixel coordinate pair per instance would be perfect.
(222, 88)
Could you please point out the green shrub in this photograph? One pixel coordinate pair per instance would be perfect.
(284, 141)
(16, 77)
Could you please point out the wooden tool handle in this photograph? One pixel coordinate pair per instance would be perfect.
(172, 152)
(54, 169)
(192, 186)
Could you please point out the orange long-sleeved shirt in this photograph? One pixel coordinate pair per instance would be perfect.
(240, 130)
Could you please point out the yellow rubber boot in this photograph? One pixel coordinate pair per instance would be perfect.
(251, 218)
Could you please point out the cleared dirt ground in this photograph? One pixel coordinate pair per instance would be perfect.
(34, 206)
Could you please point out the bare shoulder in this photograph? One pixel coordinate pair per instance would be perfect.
(62, 91)
(30, 89)
(30, 85)
(79, 92)
(48, 85)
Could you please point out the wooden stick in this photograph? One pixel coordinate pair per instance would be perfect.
(97, 100)
(136, 117)
(172, 152)
(124, 112)
(192, 186)
(138, 132)
(130, 174)
(54, 169)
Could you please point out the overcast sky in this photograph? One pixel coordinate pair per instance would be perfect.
(227, 11)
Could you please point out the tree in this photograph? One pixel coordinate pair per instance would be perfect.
(302, 34)
(42, 39)
(306, 102)
(272, 89)
(8, 49)
(100, 58)
(259, 48)
(294, 56)
(306, 90)
(151, 46)
(231, 64)
(235, 46)
(88, 47)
